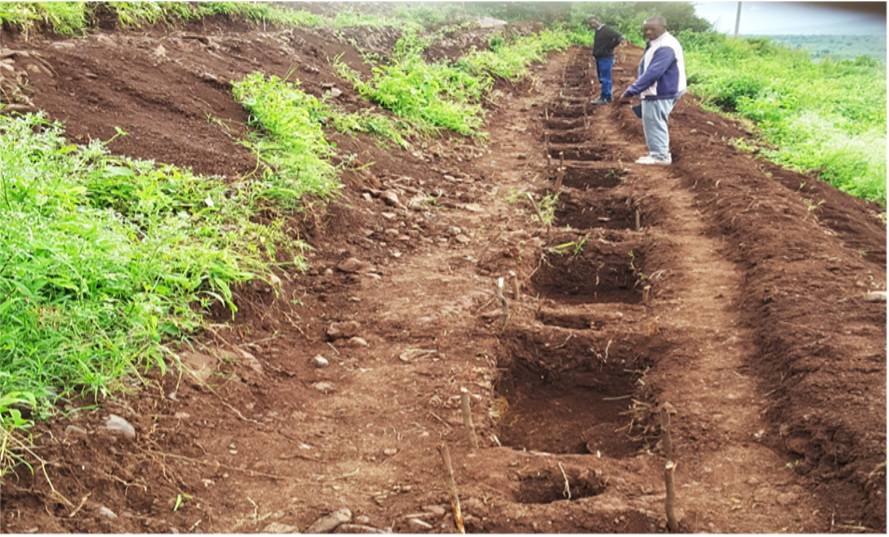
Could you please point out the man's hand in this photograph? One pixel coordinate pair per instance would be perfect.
(623, 100)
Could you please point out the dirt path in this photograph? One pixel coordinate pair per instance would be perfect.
(566, 397)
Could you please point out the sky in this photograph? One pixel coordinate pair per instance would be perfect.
(778, 18)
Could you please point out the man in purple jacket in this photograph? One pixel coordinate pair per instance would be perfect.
(661, 82)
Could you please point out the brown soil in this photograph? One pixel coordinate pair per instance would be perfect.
(756, 335)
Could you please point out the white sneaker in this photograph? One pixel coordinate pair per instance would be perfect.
(648, 159)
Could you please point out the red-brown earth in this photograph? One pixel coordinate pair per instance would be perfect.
(755, 337)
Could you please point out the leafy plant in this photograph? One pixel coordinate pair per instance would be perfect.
(104, 258)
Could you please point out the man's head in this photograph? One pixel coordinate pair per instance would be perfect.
(594, 22)
(654, 27)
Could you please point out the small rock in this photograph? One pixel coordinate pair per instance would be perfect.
(160, 51)
(62, 44)
(390, 198)
(250, 361)
(343, 330)
(462, 239)
(182, 415)
(787, 498)
(436, 510)
(71, 430)
(324, 387)
(327, 524)
(454, 230)
(356, 528)
(277, 527)
(390, 451)
(362, 519)
(119, 425)
(328, 272)
(357, 342)
(354, 266)
(388, 216)
(416, 523)
(334, 92)
(107, 513)
(320, 362)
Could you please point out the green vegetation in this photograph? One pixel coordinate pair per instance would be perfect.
(840, 47)
(103, 258)
(71, 18)
(447, 95)
(827, 116)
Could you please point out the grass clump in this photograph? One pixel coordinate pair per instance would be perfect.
(827, 116)
(443, 95)
(104, 258)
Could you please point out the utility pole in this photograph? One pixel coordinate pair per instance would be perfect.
(738, 20)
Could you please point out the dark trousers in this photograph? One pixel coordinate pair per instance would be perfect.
(603, 69)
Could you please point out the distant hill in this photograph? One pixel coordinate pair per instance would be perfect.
(845, 47)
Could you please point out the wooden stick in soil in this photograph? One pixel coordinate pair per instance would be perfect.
(666, 439)
(669, 504)
(516, 285)
(503, 304)
(561, 159)
(536, 209)
(559, 177)
(467, 418)
(646, 294)
(452, 486)
(638, 220)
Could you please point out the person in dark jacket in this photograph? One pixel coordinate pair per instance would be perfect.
(660, 84)
(607, 38)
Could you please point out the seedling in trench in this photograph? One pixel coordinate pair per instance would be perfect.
(180, 499)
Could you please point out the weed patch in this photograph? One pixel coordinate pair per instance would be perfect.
(104, 258)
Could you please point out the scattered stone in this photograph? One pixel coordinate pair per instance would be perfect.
(200, 364)
(320, 362)
(347, 329)
(354, 266)
(436, 510)
(277, 527)
(105, 40)
(107, 513)
(390, 198)
(362, 519)
(462, 239)
(328, 272)
(62, 44)
(117, 424)
(410, 355)
(356, 528)
(250, 361)
(390, 451)
(388, 216)
(71, 430)
(327, 524)
(334, 92)
(182, 415)
(454, 230)
(160, 51)
(787, 498)
(416, 523)
(354, 299)
(324, 386)
(357, 342)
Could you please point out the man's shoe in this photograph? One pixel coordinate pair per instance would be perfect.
(649, 160)
(600, 100)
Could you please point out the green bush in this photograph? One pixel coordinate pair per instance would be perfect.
(103, 258)
(828, 116)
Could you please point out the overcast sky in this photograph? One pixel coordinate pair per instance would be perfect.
(775, 18)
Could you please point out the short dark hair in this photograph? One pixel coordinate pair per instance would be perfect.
(594, 18)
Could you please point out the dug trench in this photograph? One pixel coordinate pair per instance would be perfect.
(725, 305)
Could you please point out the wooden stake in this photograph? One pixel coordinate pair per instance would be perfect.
(536, 209)
(516, 285)
(561, 159)
(669, 504)
(452, 486)
(561, 175)
(645, 294)
(666, 440)
(467, 418)
(503, 304)
(638, 220)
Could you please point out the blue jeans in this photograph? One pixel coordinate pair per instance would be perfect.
(603, 70)
(654, 122)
